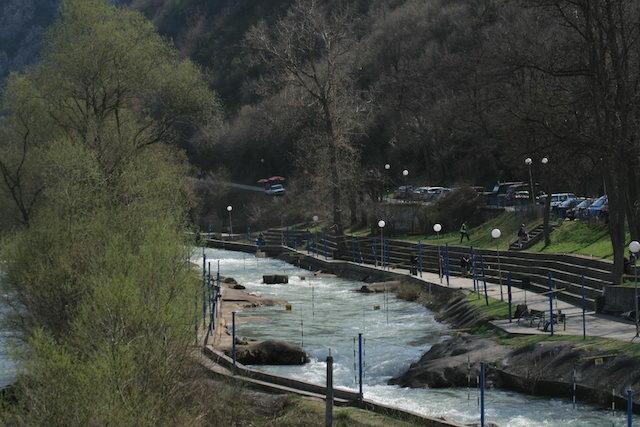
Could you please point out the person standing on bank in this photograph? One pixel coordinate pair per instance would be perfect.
(464, 232)
(522, 236)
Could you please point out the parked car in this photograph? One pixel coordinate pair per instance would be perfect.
(510, 195)
(580, 210)
(521, 195)
(435, 192)
(599, 209)
(558, 198)
(564, 207)
(405, 192)
(497, 196)
(275, 190)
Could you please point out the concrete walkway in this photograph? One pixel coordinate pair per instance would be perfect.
(597, 325)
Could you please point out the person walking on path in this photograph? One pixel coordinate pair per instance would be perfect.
(464, 232)
(464, 265)
(522, 235)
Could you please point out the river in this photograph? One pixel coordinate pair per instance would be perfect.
(327, 315)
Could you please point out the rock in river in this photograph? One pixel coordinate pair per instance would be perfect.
(448, 363)
(271, 352)
(271, 279)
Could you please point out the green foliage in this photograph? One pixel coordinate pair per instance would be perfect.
(495, 310)
(96, 277)
(451, 210)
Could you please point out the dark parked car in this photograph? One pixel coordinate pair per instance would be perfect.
(564, 207)
(580, 210)
(599, 209)
(497, 196)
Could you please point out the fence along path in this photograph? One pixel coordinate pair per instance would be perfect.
(529, 270)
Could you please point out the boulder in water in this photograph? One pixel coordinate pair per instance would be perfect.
(448, 363)
(271, 279)
(238, 286)
(272, 352)
(230, 280)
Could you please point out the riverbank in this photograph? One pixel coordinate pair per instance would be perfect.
(369, 274)
(234, 299)
(602, 370)
(249, 272)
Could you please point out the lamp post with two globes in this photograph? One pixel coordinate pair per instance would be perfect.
(528, 161)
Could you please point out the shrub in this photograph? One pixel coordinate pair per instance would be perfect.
(451, 210)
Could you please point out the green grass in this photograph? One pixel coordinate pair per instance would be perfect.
(591, 344)
(496, 309)
(577, 237)
(480, 236)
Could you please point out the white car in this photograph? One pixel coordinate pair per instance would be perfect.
(558, 198)
(275, 190)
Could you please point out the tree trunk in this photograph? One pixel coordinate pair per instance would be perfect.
(353, 208)
(363, 211)
(333, 169)
(615, 184)
(631, 204)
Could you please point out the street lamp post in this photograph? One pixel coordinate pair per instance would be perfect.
(437, 228)
(315, 233)
(385, 182)
(496, 233)
(634, 247)
(529, 162)
(229, 209)
(381, 224)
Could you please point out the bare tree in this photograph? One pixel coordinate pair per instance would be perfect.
(308, 53)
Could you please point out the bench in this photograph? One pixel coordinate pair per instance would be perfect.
(532, 316)
(557, 318)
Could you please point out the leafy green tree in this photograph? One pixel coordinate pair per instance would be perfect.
(96, 272)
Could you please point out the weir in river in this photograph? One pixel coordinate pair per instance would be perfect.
(327, 315)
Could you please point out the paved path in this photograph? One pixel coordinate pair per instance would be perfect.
(598, 325)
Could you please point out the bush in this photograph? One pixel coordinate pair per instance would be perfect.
(408, 292)
(451, 210)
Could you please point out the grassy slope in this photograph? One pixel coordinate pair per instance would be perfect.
(577, 237)
(480, 236)
(496, 308)
(599, 345)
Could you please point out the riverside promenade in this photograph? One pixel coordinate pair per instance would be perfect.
(597, 325)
